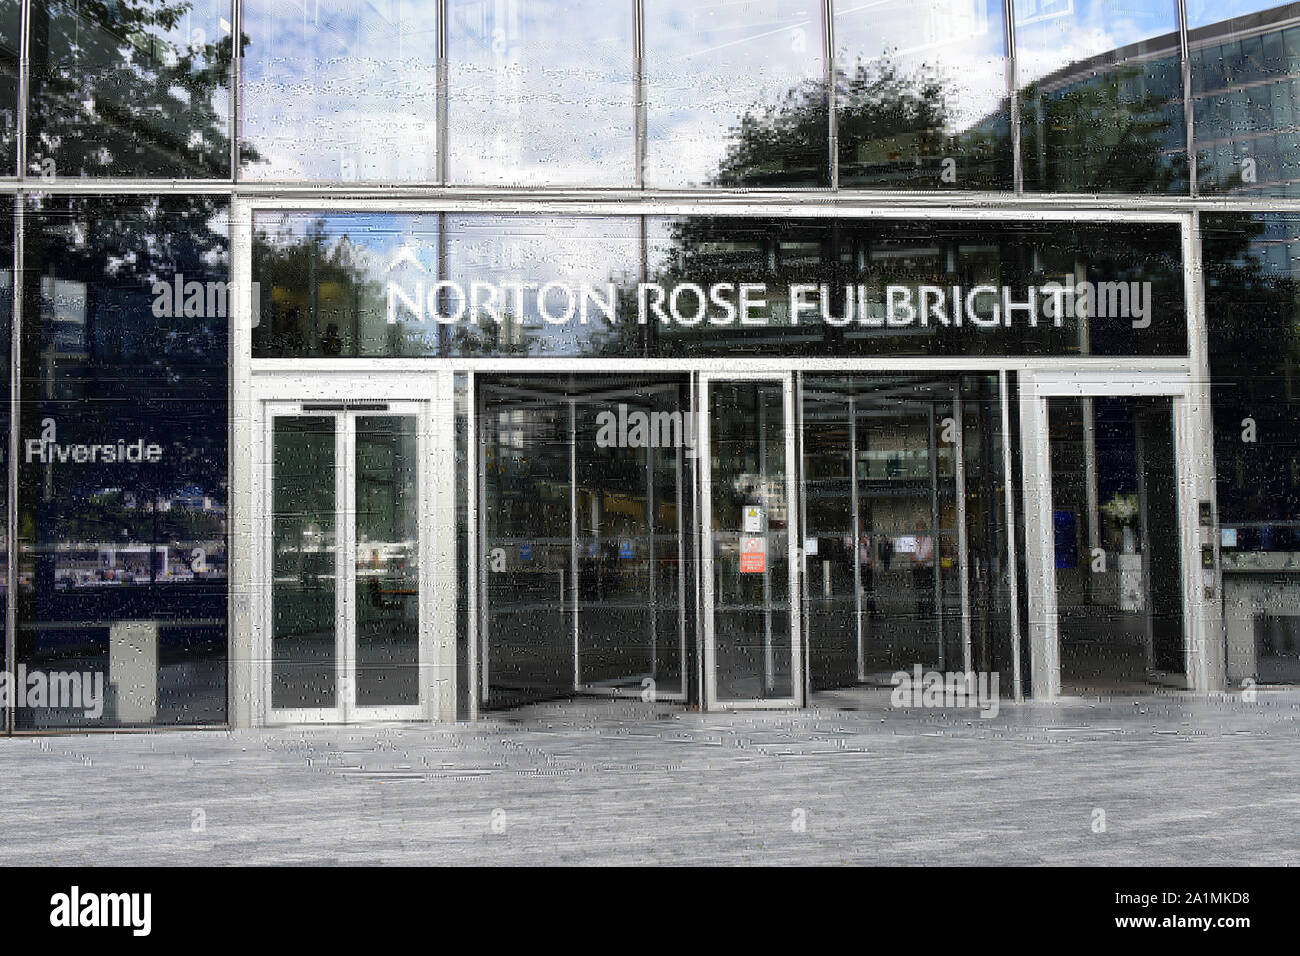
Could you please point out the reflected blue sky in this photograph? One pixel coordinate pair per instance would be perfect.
(1203, 12)
(1051, 34)
(542, 92)
(339, 89)
(706, 64)
(960, 44)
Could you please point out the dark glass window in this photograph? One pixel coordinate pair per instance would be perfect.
(1246, 95)
(349, 93)
(921, 94)
(6, 320)
(10, 40)
(541, 92)
(129, 89)
(875, 287)
(735, 94)
(1101, 96)
(122, 468)
(1252, 286)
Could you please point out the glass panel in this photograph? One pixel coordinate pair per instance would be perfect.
(921, 94)
(6, 330)
(328, 282)
(907, 512)
(526, 544)
(901, 605)
(387, 561)
(1101, 96)
(320, 101)
(1203, 12)
(700, 129)
(10, 41)
(629, 449)
(540, 92)
(1252, 277)
(992, 288)
(123, 472)
(1117, 544)
(137, 89)
(549, 286)
(1244, 61)
(832, 582)
(304, 564)
(751, 527)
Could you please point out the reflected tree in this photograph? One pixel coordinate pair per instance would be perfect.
(127, 88)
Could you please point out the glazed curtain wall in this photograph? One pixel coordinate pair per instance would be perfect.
(1025, 95)
(120, 607)
(1252, 266)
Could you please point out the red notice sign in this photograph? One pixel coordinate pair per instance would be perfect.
(753, 555)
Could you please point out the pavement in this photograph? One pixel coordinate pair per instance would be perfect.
(1151, 780)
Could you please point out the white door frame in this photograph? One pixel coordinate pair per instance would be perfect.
(405, 393)
(1190, 451)
(704, 461)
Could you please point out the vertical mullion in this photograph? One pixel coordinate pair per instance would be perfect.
(856, 525)
(828, 71)
(345, 533)
(935, 563)
(1013, 569)
(15, 403)
(638, 91)
(963, 567)
(236, 83)
(1013, 96)
(472, 479)
(573, 536)
(1189, 112)
(792, 406)
(441, 113)
(24, 85)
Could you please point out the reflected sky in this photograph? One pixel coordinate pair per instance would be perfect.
(541, 92)
(1202, 12)
(341, 89)
(706, 64)
(1051, 34)
(960, 44)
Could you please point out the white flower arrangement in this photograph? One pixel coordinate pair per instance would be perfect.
(1122, 508)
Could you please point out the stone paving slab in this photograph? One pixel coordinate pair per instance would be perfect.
(1181, 779)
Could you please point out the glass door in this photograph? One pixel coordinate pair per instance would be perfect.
(343, 612)
(1119, 538)
(749, 558)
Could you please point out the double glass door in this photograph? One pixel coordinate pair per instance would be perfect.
(345, 614)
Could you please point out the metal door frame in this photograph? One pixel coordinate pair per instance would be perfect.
(1199, 587)
(708, 604)
(280, 395)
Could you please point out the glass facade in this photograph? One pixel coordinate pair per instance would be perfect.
(989, 186)
(121, 544)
